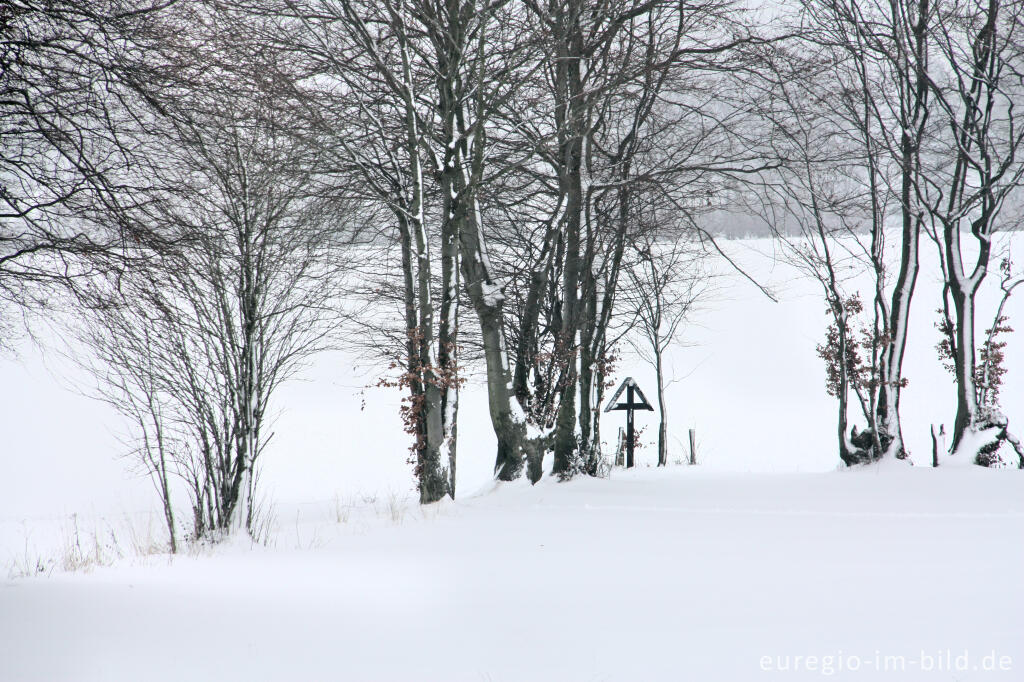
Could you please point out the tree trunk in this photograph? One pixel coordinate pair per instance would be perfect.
(914, 117)
(432, 467)
(962, 290)
(587, 374)
(539, 277)
(850, 452)
(488, 300)
(964, 360)
(570, 116)
(662, 411)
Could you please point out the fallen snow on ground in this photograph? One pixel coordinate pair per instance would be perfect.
(688, 573)
(671, 574)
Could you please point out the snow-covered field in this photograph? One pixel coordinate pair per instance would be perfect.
(727, 571)
(676, 574)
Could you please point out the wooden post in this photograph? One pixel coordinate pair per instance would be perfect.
(935, 448)
(693, 446)
(630, 434)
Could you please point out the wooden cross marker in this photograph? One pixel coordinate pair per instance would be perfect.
(632, 393)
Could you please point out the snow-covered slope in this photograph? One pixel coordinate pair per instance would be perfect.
(675, 574)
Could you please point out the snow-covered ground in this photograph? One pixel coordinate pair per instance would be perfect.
(730, 570)
(674, 574)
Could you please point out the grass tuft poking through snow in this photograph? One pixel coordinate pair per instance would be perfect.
(78, 543)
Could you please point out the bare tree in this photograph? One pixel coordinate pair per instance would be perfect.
(197, 338)
(665, 283)
(425, 65)
(395, 133)
(847, 104)
(128, 370)
(970, 171)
